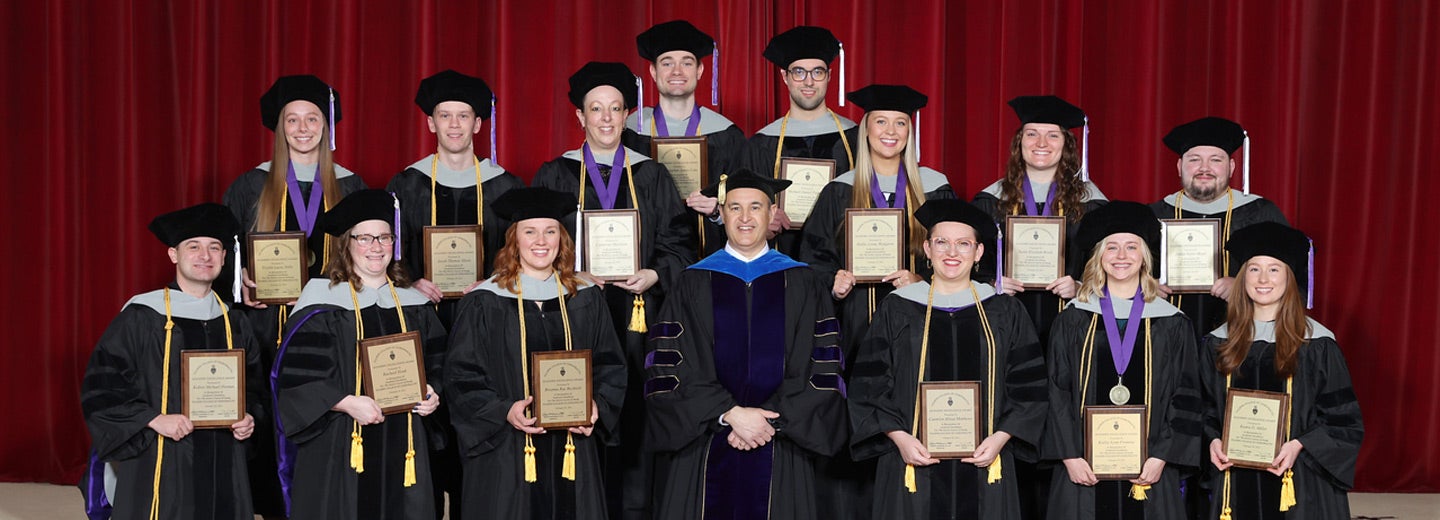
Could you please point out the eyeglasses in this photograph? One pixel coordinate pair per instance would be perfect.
(945, 246)
(366, 240)
(818, 74)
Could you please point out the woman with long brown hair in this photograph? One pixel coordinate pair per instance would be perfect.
(344, 456)
(535, 302)
(1118, 343)
(1269, 344)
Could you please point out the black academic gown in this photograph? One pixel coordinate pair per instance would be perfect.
(485, 377)
(316, 369)
(203, 475)
(1174, 426)
(665, 237)
(722, 342)
(1207, 312)
(829, 145)
(1325, 417)
(1042, 305)
(242, 197)
(883, 392)
(725, 151)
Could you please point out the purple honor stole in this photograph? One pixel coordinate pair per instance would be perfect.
(1030, 203)
(662, 130)
(878, 197)
(609, 191)
(305, 213)
(750, 364)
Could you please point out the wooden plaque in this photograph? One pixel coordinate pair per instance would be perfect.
(560, 382)
(611, 243)
(454, 257)
(1192, 251)
(874, 243)
(1116, 441)
(1254, 427)
(950, 418)
(807, 178)
(278, 264)
(394, 371)
(212, 387)
(687, 158)
(1034, 250)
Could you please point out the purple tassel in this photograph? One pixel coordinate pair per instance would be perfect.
(494, 156)
(332, 119)
(1310, 280)
(715, 78)
(397, 225)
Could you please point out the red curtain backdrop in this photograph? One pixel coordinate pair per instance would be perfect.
(117, 111)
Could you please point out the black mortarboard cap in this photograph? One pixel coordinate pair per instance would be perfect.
(292, 88)
(204, 220)
(675, 35)
(1271, 239)
(1120, 217)
(527, 203)
(955, 210)
(801, 43)
(358, 207)
(1047, 109)
(744, 178)
(448, 85)
(1209, 131)
(899, 98)
(595, 74)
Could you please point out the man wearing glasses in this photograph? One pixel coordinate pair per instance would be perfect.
(809, 129)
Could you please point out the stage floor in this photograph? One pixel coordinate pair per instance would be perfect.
(50, 502)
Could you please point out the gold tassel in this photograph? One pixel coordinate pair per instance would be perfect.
(1225, 515)
(409, 468)
(567, 469)
(637, 315)
(1137, 491)
(910, 478)
(994, 475)
(1287, 490)
(530, 475)
(357, 451)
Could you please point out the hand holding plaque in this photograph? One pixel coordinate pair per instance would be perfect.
(454, 257)
(807, 178)
(1035, 250)
(394, 371)
(687, 158)
(950, 418)
(213, 387)
(1254, 427)
(1116, 441)
(278, 265)
(561, 386)
(611, 243)
(874, 243)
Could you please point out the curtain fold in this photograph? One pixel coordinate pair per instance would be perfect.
(118, 111)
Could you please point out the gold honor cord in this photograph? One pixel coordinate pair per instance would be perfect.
(479, 191)
(1230, 206)
(785, 121)
(637, 310)
(1287, 482)
(165, 394)
(357, 446)
(1087, 354)
(325, 258)
(567, 466)
(993, 475)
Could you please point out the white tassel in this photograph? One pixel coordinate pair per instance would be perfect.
(1085, 151)
(1164, 255)
(1245, 166)
(332, 119)
(235, 286)
(640, 96)
(842, 74)
(917, 137)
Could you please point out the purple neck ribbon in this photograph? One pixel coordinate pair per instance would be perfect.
(663, 130)
(1122, 350)
(304, 213)
(1030, 208)
(606, 191)
(879, 196)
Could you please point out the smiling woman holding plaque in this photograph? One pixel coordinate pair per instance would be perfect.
(940, 334)
(350, 458)
(1269, 345)
(1119, 345)
(537, 318)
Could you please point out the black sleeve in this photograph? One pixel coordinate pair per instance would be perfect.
(1026, 400)
(874, 403)
(310, 382)
(683, 397)
(113, 395)
(1332, 440)
(821, 245)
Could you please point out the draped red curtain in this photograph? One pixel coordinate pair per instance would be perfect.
(117, 111)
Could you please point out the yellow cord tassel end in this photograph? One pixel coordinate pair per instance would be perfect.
(530, 464)
(1225, 515)
(637, 315)
(1137, 492)
(910, 478)
(994, 475)
(567, 469)
(409, 468)
(357, 452)
(1287, 490)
